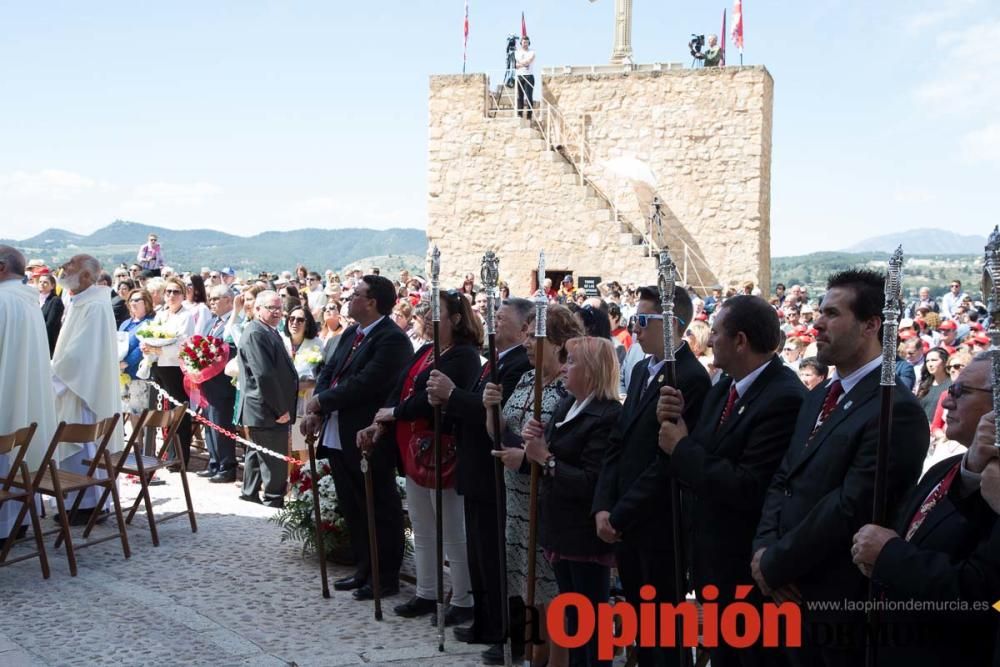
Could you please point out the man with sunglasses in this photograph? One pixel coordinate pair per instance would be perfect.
(357, 377)
(935, 552)
(823, 490)
(221, 396)
(632, 504)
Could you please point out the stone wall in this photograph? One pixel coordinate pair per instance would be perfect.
(494, 184)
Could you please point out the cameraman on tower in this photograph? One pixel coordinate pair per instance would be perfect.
(524, 57)
(712, 56)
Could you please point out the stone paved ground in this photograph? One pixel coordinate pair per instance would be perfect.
(231, 594)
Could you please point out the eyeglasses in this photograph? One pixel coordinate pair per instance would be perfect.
(333, 309)
(955, 367)
(644, 320)
(136, 300)
(296, 320)
(957, 389)
(171, 291)
(273, 309)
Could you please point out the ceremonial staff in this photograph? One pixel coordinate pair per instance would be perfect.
(890, 326)
(317, 515)
(439, 542)
(490, 276)
(667, 283)
(372, 539)
(991, 295)
(541, 303)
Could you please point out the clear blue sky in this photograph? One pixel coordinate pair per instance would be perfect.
(247, 116)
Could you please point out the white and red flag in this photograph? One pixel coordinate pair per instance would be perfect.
(465, 38)
(738, 24)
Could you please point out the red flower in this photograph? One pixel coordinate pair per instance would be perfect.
(305, 484)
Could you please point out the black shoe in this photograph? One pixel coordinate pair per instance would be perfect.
(82, 517)
(470, 635)
(454, 616)
(414, 607)
(494, 654)
(277, 503)
(156, 481)
(365, 592)
(223, 477)
(208, 473)
(250, 499)
(348, 583)
(174, 467)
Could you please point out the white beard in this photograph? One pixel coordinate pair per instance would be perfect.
(70, 283)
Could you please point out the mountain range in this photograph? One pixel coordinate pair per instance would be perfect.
(189, 249)
(922, 242)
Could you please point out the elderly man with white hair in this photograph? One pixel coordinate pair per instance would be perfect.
(24, 370)
(85, 368)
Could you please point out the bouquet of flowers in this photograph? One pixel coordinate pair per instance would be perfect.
(306, 361)
(152, 335)
(297, 518)
(202, 358)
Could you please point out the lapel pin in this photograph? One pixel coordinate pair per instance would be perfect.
(742, 408)
(847, 405)
(659, 379)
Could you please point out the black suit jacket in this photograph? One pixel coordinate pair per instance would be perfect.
(120, 309)
(565, 524)
(460, 363)
(728, 469)
(634, 483)
(366, 378)
(823, 490)
(52, 312)
(945, 560)
(268, 381)
(474, 468)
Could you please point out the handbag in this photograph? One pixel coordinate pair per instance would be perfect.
(232, 368)
(421, 447)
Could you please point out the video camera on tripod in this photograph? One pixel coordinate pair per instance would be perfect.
(511, 48)
(696, 45)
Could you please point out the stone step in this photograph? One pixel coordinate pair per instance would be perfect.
(629, 239)
(601, 216)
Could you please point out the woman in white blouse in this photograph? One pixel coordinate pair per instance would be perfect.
(306, 350)
(167, 369)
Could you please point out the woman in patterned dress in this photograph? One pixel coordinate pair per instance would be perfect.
(517, 412)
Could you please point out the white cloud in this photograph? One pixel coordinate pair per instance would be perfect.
(151, 196)
(51, 184)
(982, 145)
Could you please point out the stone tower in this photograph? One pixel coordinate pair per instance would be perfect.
(564, 183)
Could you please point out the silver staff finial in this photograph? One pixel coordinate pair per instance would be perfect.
(489, 273)
(541, 300)
(435, 284)
(991, 294)
(667, 283)
(890, 316)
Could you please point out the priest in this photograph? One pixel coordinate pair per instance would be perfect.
(85, 369)
(24, 371)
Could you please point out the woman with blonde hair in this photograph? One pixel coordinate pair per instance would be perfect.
(571, 452)
(561, 327)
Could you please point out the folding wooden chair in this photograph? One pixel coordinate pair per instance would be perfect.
(131, 461)
(51, 481)
(21, 491)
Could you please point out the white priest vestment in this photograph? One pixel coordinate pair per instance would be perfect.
(26, 395)
(85, 376)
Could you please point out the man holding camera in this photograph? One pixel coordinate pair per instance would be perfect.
(712, 56)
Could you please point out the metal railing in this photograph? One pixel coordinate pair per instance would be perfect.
(568, 137)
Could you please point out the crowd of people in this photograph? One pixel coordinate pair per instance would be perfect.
(770, 430)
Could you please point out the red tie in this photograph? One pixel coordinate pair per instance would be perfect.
(357, 341)
(485, 373)
(829, 404)
(730, 402)
(935, 496)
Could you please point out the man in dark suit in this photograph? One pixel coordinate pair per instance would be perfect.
(729, 458)
(268, 385)
(632, 505)
(221, 396)
(475, 464)
(937, 551)
(356, 380)
(822, 492)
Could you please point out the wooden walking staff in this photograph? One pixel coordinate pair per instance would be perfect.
(490, 276)
(890, 327)
(991, 295)
(541, 303)
(317, 515)
(439, 542)
(667, 283)
(366, 470)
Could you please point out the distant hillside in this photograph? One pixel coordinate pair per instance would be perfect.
(920, 241)
(191, 249)
(934, 271)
